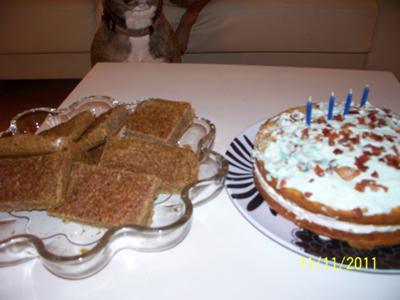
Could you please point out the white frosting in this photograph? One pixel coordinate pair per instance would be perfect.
(292, 157)
(302, 214)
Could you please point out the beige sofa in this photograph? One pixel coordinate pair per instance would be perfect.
(51, 39)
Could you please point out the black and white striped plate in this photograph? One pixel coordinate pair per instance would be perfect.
(244, 195)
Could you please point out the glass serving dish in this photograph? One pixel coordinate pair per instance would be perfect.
(74, 250)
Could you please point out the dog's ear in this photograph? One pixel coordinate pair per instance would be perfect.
(107, 18)
(187, 21)
(159, 5)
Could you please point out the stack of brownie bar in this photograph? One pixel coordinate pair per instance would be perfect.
(84, 170)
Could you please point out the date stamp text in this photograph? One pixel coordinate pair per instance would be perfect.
(344, 263)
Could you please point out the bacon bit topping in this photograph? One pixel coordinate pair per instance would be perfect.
(386, 110)
(308, 194)
(375, 150)
(321, 120)
(392, 161)
(339, 118)
(361, 120)
(356, 140)
(357, 213)
(347, 173)
(373, 136)
(377, 137)
(331, 135)
(353, 112)
(375, 174)
(346, 136)
(381, 122)
(304, 134)
(361, 160)
(337, 151)
(326, 131)
(319, 137)
(331, 141)
(346, 131)
(348, 125)
(372, 116)
(370, 183)
(319, 171)
(390, 138)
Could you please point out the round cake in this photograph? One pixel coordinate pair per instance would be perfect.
(339, 178)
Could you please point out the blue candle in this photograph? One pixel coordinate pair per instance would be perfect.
(331, 106)
(308, 111)
(348, 102)
(364, 96)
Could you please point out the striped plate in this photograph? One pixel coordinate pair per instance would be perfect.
(244, 195)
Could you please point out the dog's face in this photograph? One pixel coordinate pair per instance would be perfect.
(138, 14)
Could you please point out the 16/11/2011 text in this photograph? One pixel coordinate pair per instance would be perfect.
(344, 263)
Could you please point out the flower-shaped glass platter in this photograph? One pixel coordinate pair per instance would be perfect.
(74, 250)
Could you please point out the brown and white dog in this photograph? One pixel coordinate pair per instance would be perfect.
(137, 31)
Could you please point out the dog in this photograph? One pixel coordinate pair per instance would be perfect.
(134, 31)
(137, 31)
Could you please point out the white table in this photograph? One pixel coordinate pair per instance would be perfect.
(224, 256)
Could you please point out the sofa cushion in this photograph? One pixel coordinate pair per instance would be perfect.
(281, 26)
(46, 26)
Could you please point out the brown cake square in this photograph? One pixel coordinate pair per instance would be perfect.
(105, 126)
(176, 166)
(73, 128)
(36, 182)
(161, 120)
(108, 197)
(25, 145)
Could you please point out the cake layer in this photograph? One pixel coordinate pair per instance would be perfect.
(357, 235)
